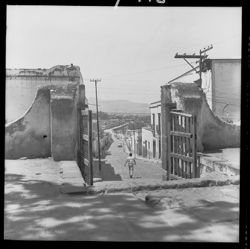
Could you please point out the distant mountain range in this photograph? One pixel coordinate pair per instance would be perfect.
(119, 106)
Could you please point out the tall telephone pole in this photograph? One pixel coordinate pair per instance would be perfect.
(97, 122)
(201, 56)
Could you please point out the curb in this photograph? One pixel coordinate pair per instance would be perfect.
(175, 184)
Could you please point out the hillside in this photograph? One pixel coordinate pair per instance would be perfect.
(121, 106)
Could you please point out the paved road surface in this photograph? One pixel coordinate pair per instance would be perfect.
(36, 210)
(144, 169)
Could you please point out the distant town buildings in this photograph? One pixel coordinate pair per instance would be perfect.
(151, 137)
(146, 142)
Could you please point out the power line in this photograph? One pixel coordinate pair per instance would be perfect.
(123, 79)
(160, 68)
(150, 93)
(145, 71)
(136, 94)
(128, 91)
(125, 89)
(201, 56)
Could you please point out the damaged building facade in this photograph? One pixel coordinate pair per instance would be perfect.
(216, 104)
(41, 112)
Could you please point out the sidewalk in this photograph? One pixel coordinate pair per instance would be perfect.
(64, 174)
(68, 179)
(36, 210)
(46, 200)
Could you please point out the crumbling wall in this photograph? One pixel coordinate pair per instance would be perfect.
(63, 123)
(22, 86)
(48, 128)
(212, 133)
(30, 135)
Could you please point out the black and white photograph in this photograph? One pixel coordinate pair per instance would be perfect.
(123, 123)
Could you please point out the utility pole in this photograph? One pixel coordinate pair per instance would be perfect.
(201, 56)
(97, 122)
(134, 140)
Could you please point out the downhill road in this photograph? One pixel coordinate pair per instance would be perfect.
(144, 169)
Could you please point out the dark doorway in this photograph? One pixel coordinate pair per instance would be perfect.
(154, 149)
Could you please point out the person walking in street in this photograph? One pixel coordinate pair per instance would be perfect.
(131, 163)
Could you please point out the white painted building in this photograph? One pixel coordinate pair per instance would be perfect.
(134, 142)
(151, 140)
(221, 82)
(222, 85)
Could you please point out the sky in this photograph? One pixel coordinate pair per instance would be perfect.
(131, 49)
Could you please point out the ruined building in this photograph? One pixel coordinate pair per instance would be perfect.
(41, 116)
(221, 83)
(216, 105)
(212, 132)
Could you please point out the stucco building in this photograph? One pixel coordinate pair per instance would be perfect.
(221, 83)
(41, 105)
(134, 141)
(151, 136)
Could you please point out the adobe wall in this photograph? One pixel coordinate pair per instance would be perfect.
(30, 135)
(22, 86)
(212, 133)
(63, 123)
(49, 126)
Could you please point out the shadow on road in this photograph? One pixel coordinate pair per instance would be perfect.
(35, 210)
(108, 173)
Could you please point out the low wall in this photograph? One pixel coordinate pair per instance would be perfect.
(30, 135)
(212, 133)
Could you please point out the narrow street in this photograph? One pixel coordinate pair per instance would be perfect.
(144, 169)
(162, 84)
(36, 210)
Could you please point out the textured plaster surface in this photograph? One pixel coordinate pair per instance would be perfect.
(212, 133)
(46, 126)
(30, 135)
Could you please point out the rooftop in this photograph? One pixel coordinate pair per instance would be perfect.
(56, 71)
(155, 104)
